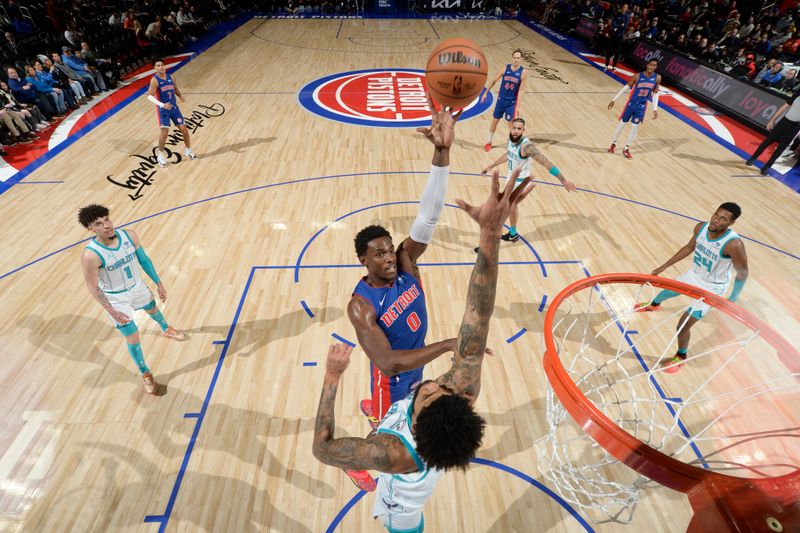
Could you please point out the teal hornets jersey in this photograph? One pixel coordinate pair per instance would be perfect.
(710, 262)
(515, 160)
(119, 267)
(405, 491)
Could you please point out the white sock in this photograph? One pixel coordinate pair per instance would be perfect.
(617, 131)
(430, 205)
(631, 135)
(489, 140)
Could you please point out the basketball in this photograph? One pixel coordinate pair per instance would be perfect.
(456, 72)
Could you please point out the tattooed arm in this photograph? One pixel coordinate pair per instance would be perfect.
(529, 150)
(381, 452)
(90, 263)
(465, 376)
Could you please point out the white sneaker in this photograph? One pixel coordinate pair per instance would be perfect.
(188, 153)
(161, 161)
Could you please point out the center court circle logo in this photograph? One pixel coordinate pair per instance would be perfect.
(384, 98)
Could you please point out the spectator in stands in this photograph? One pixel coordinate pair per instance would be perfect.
(141, 38)
(87, 87)
(680, 43)
(784, 23)
(55, 95)
(154, 35)
(12, 45)
(747, 29)
(652, 31)
(130, 20)
(105, 66)
(695, 46)
(710, 53)
(619, 25)
(29, 112)
(773, 77)
(26, 94)
(764, 47)
(115, 19)
(789, 48)
(47, 76)
(790, 83)
(663, 37)
(72, 35)
(80, 67)
(730, 41)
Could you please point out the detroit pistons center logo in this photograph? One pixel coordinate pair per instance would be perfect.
(379, 97)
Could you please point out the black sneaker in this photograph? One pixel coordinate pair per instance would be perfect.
(510, 238)
(750, 162)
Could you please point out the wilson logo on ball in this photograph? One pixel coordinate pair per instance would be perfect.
(387, 98)
(458, 57)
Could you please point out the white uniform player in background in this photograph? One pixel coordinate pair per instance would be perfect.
(519, 153)
(112, 264)
(715, 249)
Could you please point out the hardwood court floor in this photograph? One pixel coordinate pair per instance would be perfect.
(84, 449)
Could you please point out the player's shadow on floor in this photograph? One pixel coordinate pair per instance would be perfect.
(213, 489)
(718, 162)
(255, 335)
(238, 147)
(524, 424)
(73, 337)
(565, 225)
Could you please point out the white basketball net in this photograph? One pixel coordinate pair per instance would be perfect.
(689, 415)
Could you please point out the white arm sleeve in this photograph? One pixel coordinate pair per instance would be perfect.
(621, 92)
(431, 205)
(655, 101)
(154, 100)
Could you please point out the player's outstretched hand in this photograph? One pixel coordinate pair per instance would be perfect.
(485, 171)
(338, 359)
(442, 130)
(611, 104)
(495, 210)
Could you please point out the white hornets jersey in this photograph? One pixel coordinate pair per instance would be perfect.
(515, 160)
(710, 262)
(404, 493)
(119, 267)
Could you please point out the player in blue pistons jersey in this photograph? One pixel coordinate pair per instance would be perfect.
(643, 87)
(162, 92)
(434, 428)
(511, 80)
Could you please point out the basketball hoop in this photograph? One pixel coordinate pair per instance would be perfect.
(633, 423)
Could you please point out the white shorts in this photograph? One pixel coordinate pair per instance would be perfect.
(129, 301)
(504, 181)
(698, 309)
(395, 505)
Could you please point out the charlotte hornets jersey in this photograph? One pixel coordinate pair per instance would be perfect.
(166, 90)
(509, 83)
(404, 493)
(710, 262)
(515, 159)
(119, 267)
(642, 90)
(401, 310)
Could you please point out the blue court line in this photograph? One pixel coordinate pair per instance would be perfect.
(342, 339)
(434, 30)
(632, 332)
(676, 399)
(652, 378)
(484, 462)
(38, 182)
(219, 342)
(543, 303)
(305, 308)
(191, 415)
(790, 179)
(516, 335)
(318, 178)
(309, 363)
(162, 519)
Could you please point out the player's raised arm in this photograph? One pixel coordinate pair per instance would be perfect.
(375, 344)
(440, 133)
(529, 150)
(464, 378)
(682, 253)
(627, 87)
(381, 452)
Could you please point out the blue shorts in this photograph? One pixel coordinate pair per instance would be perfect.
(387, 390)
(165, 115)
(633, 113)
(505, 108)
